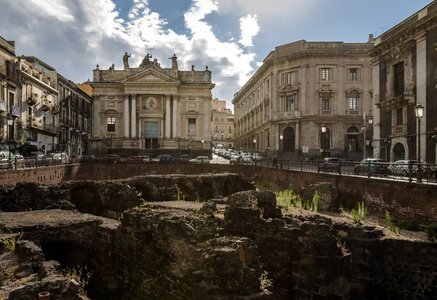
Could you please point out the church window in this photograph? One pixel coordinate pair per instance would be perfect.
(326, 74)
(110, 124)
(325, 104)
(353, 103)
(398, 87)
(191, 125)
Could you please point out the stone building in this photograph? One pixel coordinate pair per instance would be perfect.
(38, 98)
(222, 124)
(150, 109)
(300, 87)
(9, 90)
(404, 62)
(55, 115)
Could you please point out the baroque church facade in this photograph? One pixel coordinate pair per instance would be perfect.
(151, 110)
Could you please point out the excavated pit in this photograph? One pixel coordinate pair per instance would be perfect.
(214, 237)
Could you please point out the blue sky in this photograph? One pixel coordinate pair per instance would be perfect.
(232, 37)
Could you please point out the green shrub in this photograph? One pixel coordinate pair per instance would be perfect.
(431, 231)
(358, 215)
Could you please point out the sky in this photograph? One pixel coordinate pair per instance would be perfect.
(231, 37)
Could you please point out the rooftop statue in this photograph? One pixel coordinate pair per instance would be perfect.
(126, 60)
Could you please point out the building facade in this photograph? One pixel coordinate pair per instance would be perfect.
(300, 87)
(222, 124)
(404, 62)
(9, 91)
(150, 109)
(55, 114)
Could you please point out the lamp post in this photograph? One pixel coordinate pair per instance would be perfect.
(202, 150)
(418, 109)
(10, 135)
(281, 138)
(254, 145)
(321, 138)
(365, 125)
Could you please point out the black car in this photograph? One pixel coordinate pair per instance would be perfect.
(330, 164)
(183, 159)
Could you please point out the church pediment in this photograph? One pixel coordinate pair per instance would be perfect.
(149, 76)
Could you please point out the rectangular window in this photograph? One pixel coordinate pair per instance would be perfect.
(230, 129)
(325, 104)
(192, 125)
(399, 116)
(222, 127)
(353, 103)
(398, 82)
(290, 103)
(326, 74)
(110, 124)
(353, 74)
(216, 128)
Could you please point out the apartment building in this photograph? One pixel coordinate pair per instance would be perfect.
(222, 124)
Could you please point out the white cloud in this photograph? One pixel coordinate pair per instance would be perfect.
(91, 32)
(249, 28)
(54, 9)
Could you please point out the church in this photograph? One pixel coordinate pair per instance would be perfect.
(151, 110)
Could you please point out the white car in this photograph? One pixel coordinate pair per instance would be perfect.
(199, 160)
(247, 159)
(401, 167)
(256, 157)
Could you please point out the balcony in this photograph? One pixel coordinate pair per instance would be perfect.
(32, 99)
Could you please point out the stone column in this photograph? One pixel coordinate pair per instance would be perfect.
(421, 89)
(278, 146)
(376, 112)
(126, 115)
(134, 116)
(175, 117)
(297, 136)
(167, 117)
(96, 118)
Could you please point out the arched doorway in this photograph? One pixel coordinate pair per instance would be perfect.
(352, 140)
(289, 139)
(398, 152)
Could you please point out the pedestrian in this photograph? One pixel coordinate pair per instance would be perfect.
(274, 160)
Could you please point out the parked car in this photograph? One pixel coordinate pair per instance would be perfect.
(199, 160)
(86, 158)
(236, 159)
(247, 159)
(163, 159)
(401, 167)
(134, 159)
(7, 160)
(256, 157)
(36, 159)
(377, 167)
(330, 164)
(183, 159)
(111, 158)
(59, 158)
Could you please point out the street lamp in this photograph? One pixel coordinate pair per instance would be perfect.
(321, 137)
(418, 109)
(202, 150)
(369, 122)
(10, 134)
(281, 137)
